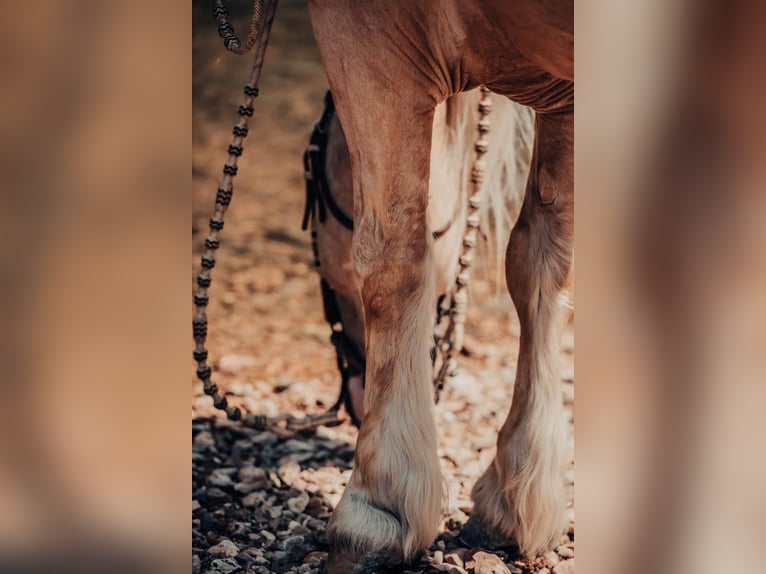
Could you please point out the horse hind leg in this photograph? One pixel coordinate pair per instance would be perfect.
(520, 499)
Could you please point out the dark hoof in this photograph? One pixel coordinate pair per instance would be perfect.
(475, 535)
(346, 562)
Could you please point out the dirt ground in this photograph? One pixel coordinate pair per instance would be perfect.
(260, 502)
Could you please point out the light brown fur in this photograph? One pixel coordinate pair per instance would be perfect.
(389, 64)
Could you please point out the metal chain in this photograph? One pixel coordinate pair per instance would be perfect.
(260, 38)
(451, 342)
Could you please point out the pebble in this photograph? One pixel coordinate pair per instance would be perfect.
(455, 558)
(487, 563)
(223, 566)
(289, 471)
(291, 542)
(195, 505)
(251, 473)
(219, 478)
(233, 364)
(224, 548)
(299, 503)
(274, 511)
(195, 564)
(449, 568)
(438, 557)
(565, 552)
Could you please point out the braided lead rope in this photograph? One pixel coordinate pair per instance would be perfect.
(226, 30)
(212, 242)
(452, 341)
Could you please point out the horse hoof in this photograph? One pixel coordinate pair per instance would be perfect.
(475, 535)
(346, 562)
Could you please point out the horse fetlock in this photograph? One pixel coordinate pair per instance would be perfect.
(519, 502)
(362, 535)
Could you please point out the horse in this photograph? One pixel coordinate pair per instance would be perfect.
(329, 211)
(389, 65)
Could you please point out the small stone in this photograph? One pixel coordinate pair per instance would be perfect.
(251, 473)
(566, 567)
(487, 563)
(438, 557)
(223, 566)
(299, 503)
(253, 499)
(565, 552)
(195, 505)
(233, 364)
(289, 471)
(291, 542)
(248, 487)
(220, 479)
(224, 548)
(448, 568)
(195, 564)
(455, 558)
(216, 494)
(204, 439)
(274, 511)
(268, 536)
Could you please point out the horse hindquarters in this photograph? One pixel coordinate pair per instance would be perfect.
(521, 497)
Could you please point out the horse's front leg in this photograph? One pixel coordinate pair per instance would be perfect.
(392, 505)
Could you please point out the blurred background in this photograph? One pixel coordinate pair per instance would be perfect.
(96, 345)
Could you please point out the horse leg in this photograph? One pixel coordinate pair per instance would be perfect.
(392, 504)
(521, 497)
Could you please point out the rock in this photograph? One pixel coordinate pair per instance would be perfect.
(566, 567)
(487, 563)
(448, 568)
(220, 479)
(195, 505)
(292, 542)
(289, 471)
(224, 548)
(299, 503)
(195, 564)
(204, 440)
(249, 474)
(438, 557)
(223, 566)
(253, 499)
(274, 511)
(248, 487)
(268, 536)
(565, 552)
(216, 494)
(233, 364)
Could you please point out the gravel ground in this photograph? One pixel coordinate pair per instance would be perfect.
(261, 502)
